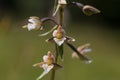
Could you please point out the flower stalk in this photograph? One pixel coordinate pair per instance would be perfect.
(59, 37)
(61, 16)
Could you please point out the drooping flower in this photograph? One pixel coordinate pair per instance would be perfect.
(34, 23)
(82, 50)
(47, 64)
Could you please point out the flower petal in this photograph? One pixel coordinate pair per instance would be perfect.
(69, 39)
(54, 33)
(42, 75)
(39, 64)
(85, 50)
(47, 67)
(30, 26)
(59, 42)
(46, 70)
(45, 58)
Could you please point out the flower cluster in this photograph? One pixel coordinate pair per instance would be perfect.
(59, 37)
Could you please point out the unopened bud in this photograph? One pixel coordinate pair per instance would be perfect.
(62, 3)
(90, 10)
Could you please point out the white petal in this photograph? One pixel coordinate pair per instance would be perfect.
(31, 20)
(85, 50)
(88, 62)
(42, 75)
(45, 58)
(62, 2)
(31, 26)
(47, 68)
(59, 42)
(54, 33)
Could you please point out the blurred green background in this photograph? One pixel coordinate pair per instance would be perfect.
(20, 49)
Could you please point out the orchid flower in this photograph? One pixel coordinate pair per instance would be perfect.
(60, 37)
(34, 23)
(82, 50)
(48, 64)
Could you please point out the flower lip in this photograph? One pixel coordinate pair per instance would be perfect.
(59, 42)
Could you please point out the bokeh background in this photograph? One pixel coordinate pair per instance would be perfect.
(20, 49)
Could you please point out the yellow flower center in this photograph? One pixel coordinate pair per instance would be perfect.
(50, 59)
(60, 33)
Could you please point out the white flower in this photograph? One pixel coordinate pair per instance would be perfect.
(47, 64)
(34, 23)
(59, 36)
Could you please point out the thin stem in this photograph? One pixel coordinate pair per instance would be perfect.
(43, 20)
(61, 12)
(56, 58)
(52, 75)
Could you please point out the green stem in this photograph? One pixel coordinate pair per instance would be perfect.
(56, 58)
(61, 12)
(52, 75)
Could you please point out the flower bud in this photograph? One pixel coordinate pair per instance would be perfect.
(62, 3)
(90, 10)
